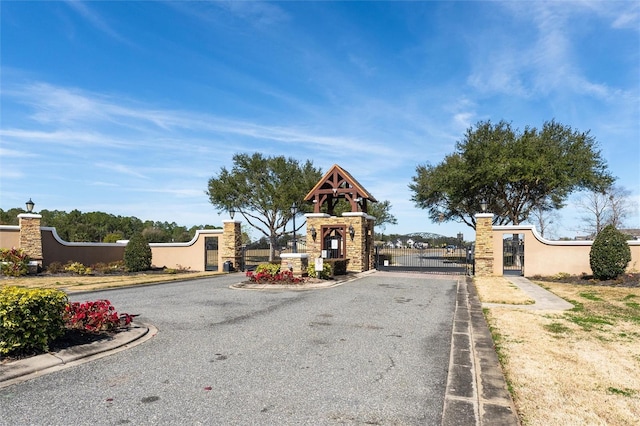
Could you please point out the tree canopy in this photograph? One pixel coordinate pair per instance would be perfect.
(262, 190)
(514, 172)
(76, 226)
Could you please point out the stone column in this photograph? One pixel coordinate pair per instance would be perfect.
(295, 262)
(31, 239)
(231, 247)
(484, 245)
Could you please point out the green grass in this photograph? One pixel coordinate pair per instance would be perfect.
(623, 392)
(589, 322)
(557, 328)
(591, 295)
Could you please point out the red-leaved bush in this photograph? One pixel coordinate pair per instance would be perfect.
(94, 317)
(265, 277)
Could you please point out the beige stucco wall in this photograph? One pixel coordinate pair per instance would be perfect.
(9, 236)
(55, 249)
(545, 257)
(189, 255)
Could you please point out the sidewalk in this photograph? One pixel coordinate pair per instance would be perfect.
(545, 300)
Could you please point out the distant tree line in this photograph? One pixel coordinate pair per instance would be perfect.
(76, 226)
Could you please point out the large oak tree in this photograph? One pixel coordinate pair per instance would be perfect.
(262, 190)
(514, 172)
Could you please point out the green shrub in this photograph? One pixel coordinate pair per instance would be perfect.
(137, 254)
(30, 319)
(77, 268)
(271, 268)
(609, 254)
(55, 268)
(338, 266)
(325, 274)
(13, 262)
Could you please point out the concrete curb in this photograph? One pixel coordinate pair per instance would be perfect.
(476, 392)
(28, 368)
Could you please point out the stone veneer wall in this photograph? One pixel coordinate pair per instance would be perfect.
(231, 244)
(360, 259)
(30, 236)
(484, 245)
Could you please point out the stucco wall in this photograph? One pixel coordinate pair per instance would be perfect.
(189, 255)
(55, 249)
(9, 236)
(545, 257)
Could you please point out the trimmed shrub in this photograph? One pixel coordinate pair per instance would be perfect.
(30, 319)
(325, 274)
(13, 262)
(338, 266)
(271, 268)
(137, 254)
(609, 254)
(77, 268)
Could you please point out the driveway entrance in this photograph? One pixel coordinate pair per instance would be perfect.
(372, 351)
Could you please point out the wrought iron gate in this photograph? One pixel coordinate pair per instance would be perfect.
(449, 260)
(513, 254)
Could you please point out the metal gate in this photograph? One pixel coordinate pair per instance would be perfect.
(211, 253)
(513, 254)
(449, 260)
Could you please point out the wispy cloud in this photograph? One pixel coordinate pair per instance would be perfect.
(96, 20)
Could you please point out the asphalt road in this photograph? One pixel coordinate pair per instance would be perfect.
(371, 351)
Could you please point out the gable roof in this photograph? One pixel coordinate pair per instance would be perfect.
(336, 183)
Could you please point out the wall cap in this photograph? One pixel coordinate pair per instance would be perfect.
(484, 215)
(294, 255)
(323, 215)
(30, 216)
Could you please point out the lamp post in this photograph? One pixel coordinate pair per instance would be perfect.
(294, 211)
(30, 205)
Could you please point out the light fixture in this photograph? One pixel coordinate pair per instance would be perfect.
(460, 236)
(314, 233)
(232, 213)
(30, 205)
(483, 205)
(352, 232)
(294, 210)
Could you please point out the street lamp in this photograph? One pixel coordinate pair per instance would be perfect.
(294, 211)
(30, 205)
(232, 212)
(483, 205)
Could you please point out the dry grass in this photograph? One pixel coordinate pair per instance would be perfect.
(577, 367)
(74, 283)
(500, 290)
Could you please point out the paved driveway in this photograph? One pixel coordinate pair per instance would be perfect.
(372, 351)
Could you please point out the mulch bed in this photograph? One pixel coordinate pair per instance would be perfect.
(631, 280)
(70, 339)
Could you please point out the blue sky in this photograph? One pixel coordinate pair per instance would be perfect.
(130, 107)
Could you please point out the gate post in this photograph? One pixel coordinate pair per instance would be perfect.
(231, 243)
(484, 245)
(31, 239)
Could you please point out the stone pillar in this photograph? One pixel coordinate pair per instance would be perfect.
(231, 247)
(31, 239)
(315, 221)
(484, 245)
(295, 262)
